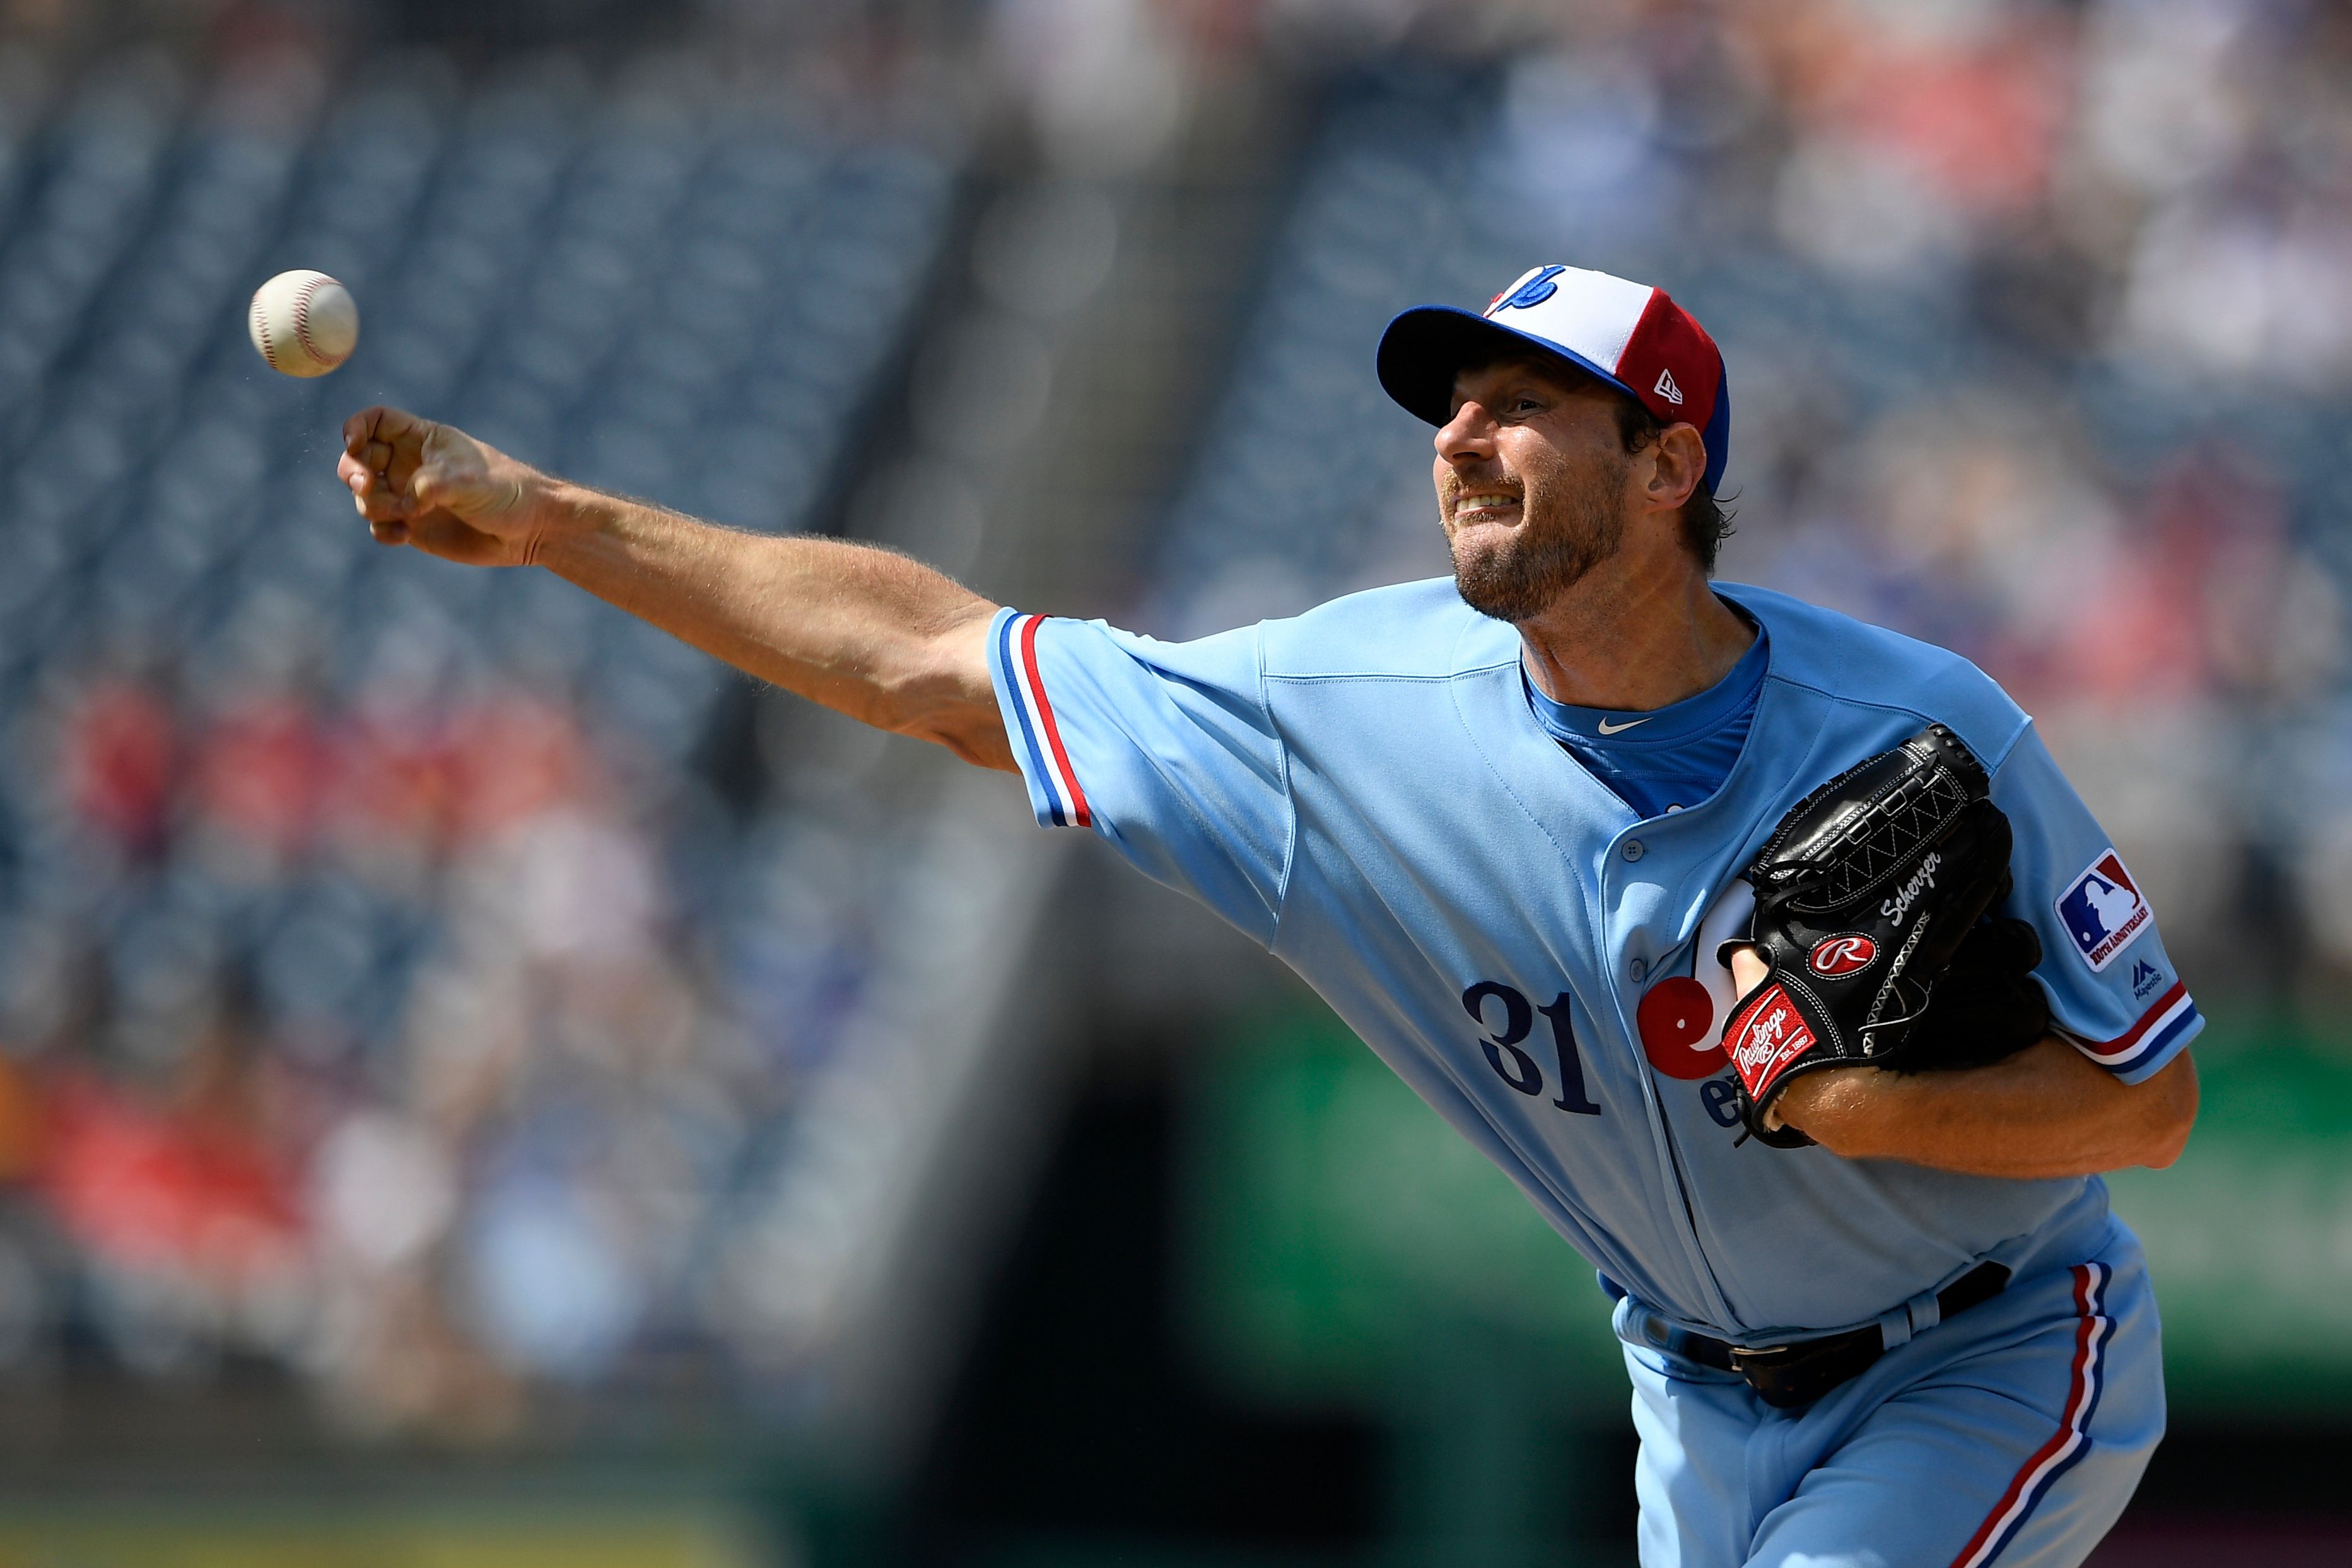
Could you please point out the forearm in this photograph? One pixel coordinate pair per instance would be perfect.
(2046, 1111)
(882, 638)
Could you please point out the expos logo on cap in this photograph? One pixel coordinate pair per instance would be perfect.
(1630, 335)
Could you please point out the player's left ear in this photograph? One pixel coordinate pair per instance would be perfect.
(1679, 462)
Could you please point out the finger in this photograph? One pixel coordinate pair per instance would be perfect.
(442, 484)
(383, 505)
(401, 459)
(374, 499)
(387, 441)
(389, 531)
(375, 424)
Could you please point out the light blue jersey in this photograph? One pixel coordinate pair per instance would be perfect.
(1366, 791)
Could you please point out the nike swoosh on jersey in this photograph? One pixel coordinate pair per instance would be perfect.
(1609, 729)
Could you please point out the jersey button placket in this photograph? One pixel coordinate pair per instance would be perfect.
(1637, 970)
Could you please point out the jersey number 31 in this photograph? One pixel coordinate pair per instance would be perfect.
(1515, 1066)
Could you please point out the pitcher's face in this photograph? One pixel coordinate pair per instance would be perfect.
(1531, 477)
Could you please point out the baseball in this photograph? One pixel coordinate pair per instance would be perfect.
(304, 323)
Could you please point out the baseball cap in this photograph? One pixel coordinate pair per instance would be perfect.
(1630, 335)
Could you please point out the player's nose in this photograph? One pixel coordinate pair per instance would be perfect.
(1468, 436)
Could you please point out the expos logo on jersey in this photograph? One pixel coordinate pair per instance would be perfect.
(2103, 910)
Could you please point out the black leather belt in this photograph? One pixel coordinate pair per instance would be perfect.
(1791, 1375)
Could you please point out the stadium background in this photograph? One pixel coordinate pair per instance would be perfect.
(479, 1082)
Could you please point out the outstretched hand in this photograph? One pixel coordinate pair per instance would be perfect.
(436, 488)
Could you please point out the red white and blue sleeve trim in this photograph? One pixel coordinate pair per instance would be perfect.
(2066, 1447)
(1036, 736)
(2171, 1021)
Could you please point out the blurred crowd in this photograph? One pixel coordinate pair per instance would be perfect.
(2039, 325)
(320, 975)
(393, 985)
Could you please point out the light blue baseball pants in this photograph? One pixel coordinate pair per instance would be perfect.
(2013, 1433)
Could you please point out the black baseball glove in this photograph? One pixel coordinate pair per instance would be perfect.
(1871, 900)
(1987, 1007)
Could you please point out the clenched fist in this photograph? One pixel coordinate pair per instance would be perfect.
(436, 488)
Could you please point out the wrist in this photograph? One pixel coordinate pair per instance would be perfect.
(556, 516)
(1829, 1106)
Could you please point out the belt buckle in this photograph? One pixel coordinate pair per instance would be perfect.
(1764, 1360)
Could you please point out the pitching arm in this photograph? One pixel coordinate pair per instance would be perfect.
(880, 637)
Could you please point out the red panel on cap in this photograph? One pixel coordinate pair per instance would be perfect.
(1670, 353)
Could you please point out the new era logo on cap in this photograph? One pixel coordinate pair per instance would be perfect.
(1630, 335)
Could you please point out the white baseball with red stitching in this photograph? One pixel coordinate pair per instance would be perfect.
(304, 323)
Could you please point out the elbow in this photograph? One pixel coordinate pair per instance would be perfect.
(2165, 1146)
(973, 731)
(980, 739)
(2171, 1112)
(944, 695)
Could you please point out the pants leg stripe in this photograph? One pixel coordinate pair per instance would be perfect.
(2067, 1446)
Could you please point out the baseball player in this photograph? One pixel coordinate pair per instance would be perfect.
(1550, 836)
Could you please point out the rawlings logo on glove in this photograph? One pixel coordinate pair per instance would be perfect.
(1836, 955)
(1764, 1037)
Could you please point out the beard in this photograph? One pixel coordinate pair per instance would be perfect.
(1570, 521)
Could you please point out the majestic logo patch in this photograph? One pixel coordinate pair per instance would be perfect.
(1676, 1019)
(2103, 911)
(1770, 1034)
(1667, 389)
(2145, 977)
(1835, 955)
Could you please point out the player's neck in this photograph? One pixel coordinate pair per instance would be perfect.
(1633, 635)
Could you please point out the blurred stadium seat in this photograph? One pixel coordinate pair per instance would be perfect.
(407, 1008)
